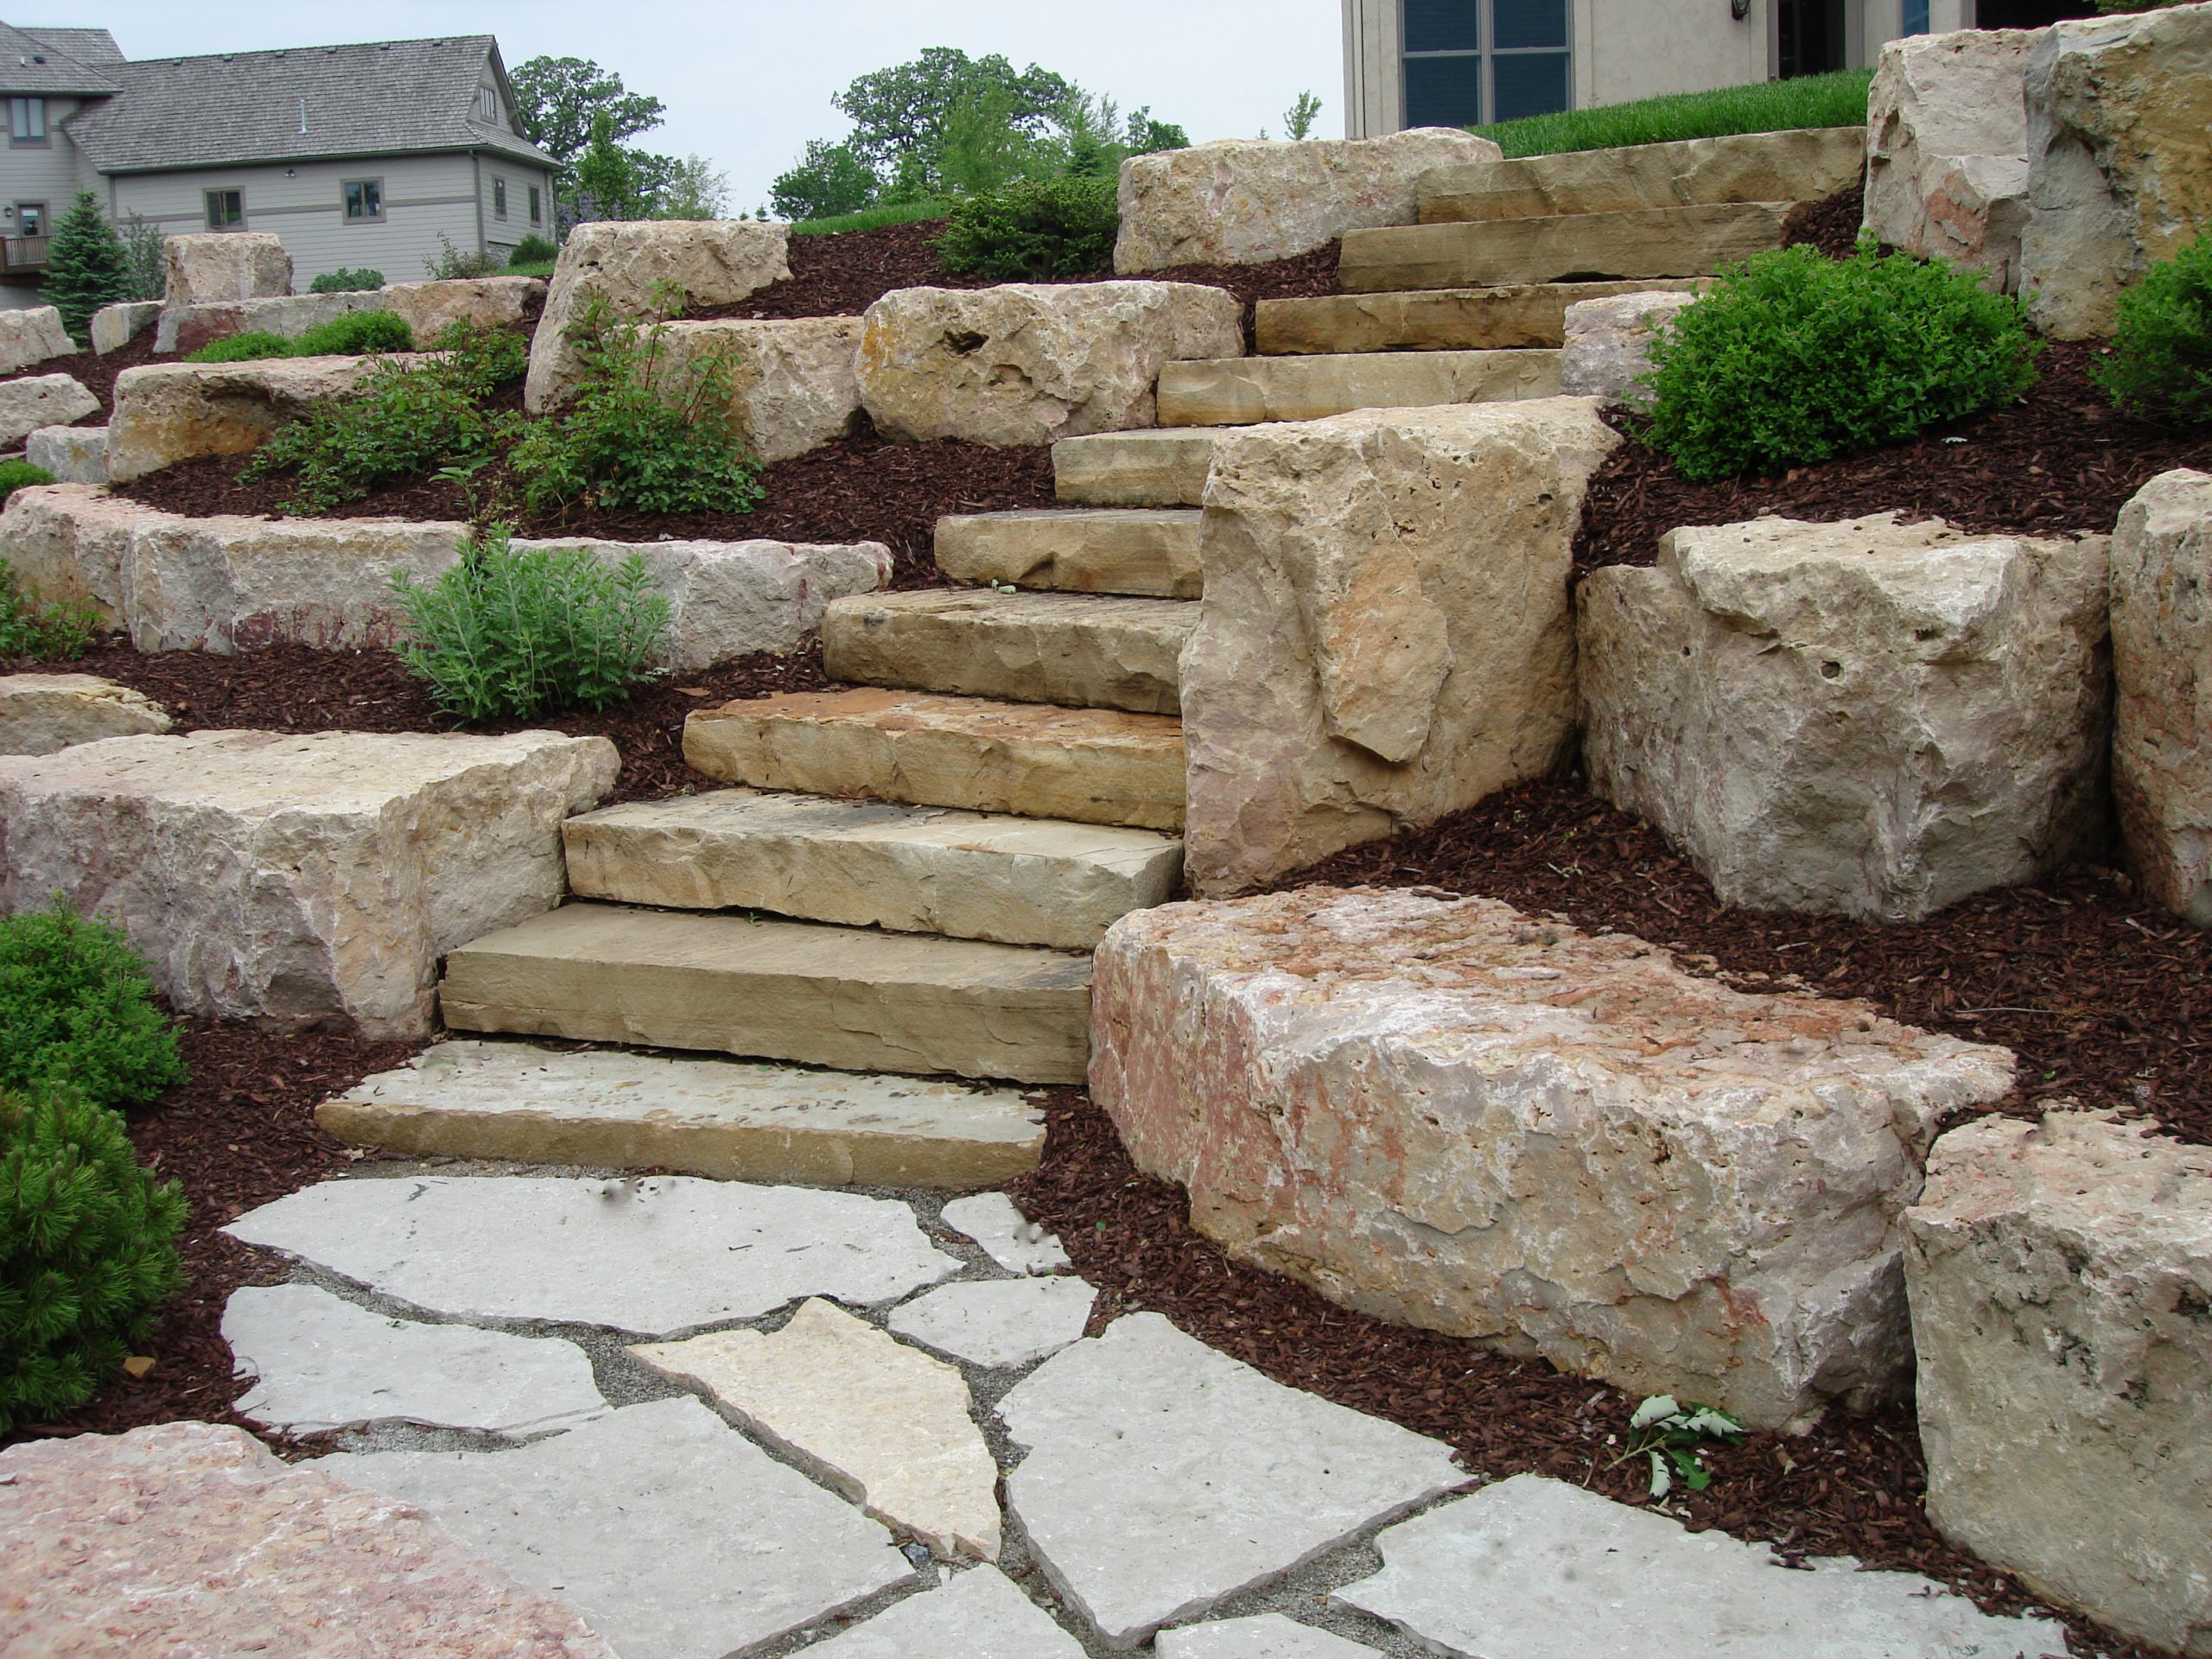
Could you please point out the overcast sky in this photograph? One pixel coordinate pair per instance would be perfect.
(748, 83)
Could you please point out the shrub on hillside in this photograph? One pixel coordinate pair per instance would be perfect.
(2161, 361)
(1793, 358)
(1034, 229)
(347, 281)
(357, 333)
(251, 347)
(452, 264)
(533, 250)
(78, 1010)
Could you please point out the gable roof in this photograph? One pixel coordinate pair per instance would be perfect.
(39, 61)
(91, 46)
(376, 98)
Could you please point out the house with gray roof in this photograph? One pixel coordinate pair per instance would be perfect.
(363, 154)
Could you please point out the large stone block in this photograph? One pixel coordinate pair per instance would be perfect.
(1808, 164)
(2061, 1281)
(1031, 363)
(1252, 391)
(2119, 174)
(630, 264)
(31, 336)
(1245, 201)
(299, 881)
(231, 265)
(1869, 718)
(167, 412)
(1436, 320)
(1385, 636)
(188, 327)
(793, 382)
(115, 327)
(71, 455)
(1608, 350)
(429, 309)
(1456, 1116)
(2162, 656)
(40, 400)
(1947, 158)
(41, 713)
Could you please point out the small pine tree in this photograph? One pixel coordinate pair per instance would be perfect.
(606, 179)
(86, 267)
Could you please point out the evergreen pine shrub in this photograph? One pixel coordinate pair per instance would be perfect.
(86, 267)
(1034, 229)
(77, 1010)
(347, 281)
(2161, 362)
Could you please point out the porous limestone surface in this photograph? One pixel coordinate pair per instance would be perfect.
(1006, 1236)
(115, 327)
(672, 1533)
(1162, 1476)
(30, 335)
(73, 454)
(1133, 469)
(1255, 390)
(794, 385)
(1141, 550)
(1608, 350)
(660, 1256)
(1453, 1116)
(321, 1362)
(188, 327)
(1270, 1636)
(167, 412)
(225, 265)
(1506, 252)
(1535, 1568)
(37, 400)
(998, 1323)
(192, 1538)
(429, 309)
(885, 1424)
(979, 1615)
(1447, 319)
(1807, 164)
(42, 713)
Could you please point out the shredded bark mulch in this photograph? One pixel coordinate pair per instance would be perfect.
(96, 371)
(1831, 226)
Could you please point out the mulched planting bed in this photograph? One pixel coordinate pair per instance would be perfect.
(1831, 226)
(96, 371)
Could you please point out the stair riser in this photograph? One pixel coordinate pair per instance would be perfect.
(1674, 241)
(1155, 556)
(1131, 469)
(1245, 391)
(966, 653)
(1805, 165)
(1453, 320)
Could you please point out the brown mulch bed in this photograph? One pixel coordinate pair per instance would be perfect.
(96, 371)
(1831, 226)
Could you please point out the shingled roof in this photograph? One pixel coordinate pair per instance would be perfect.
(39, 61)
(303, 104)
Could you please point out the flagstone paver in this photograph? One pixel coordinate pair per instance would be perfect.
(980, 1615)
(1269, 1636)
(673, 1534)
(324, 1363)
(998, 1322)
(1007, 1236)
(656, 1257)
(1163, 1477)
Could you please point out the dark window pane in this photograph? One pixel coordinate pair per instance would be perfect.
(1915, 16)
(1444, 92)
(1442, 26)
(1529, 83)
(1529, 22)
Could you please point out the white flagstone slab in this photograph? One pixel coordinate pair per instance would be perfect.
(654, 1257)
(1163, 1477)
(1007, 1236)
(1269, 1636)
(1535, 1568)
(980, 1615)
(673, 1534)
(320, 1363)
(998, 1321)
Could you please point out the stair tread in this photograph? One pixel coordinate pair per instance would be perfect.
(1153, 467)
(1693, 241)
(1143, 552)
(1243, 391)
(1517, 314)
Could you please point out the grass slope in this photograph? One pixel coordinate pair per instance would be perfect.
(872, 218)
(1836, 100)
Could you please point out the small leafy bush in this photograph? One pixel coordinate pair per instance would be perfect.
(88, 1251)
(49, 631)
(533, 250)
(2161, 363)
(347, 281)
(358, 334)
(1794, 357)
(1032, 230)
(451, 263)
(77, 1009)
(1672, 1434)
(20, 475)
(509, 634)
(248, 347)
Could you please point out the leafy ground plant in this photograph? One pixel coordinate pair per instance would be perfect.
(1034, 229)
(78, 1010)
(1672, 1434)
(358, 334)
(2161, 361)
(347, 281)
(49, 630)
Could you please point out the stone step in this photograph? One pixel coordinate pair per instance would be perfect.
(1133, 469)
(1141, 551)
(1081, 650)
(913, 869)
(1093, 765)
(1653, 242)
(1807, 165)
(847, 997)
(1243, 391)
(1437, 320)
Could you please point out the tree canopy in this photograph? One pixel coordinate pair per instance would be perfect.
(564, 103)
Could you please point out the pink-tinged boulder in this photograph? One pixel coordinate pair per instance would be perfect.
(1451, 1114)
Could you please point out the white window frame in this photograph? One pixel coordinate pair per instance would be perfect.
(207, 202)
(345, 207)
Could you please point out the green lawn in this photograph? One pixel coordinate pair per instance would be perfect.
(1837, 100)
(872, 218)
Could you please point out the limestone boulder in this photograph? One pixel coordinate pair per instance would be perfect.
(629, 265)
(41, 713)
(1870, 718)
(41, 400)
(794, 384)
(1386, 635)
(1246, 201)
(429, 309)
(1808, 164)
(230, 265)
(115, 327)
(30, 336)
(167, 412)
(1947, 154)
(73, 454)
(1033, 363)
(2119, 174)
(188, 327)
(1450, 1115)
(1608, 347)
(299, 881)
(2060, 1276)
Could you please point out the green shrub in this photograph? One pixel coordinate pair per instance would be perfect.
(88, 1251)
(86, 266)
(1793, 358)
(347, 281)
(78, 1010)
(451, 263)
(2161, 362)
(357, 333)
(248, 347)
(50, 631)
(1034, 229)
(508, 634)
(533, 250)
(20, 475)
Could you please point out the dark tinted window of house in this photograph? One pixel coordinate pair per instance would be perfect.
(365, 198)
(1443, 25)
(1444, 92)
(1527, 23)
(1528, 83)
(226, 210)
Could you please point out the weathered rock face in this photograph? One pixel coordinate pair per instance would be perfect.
(1806, 165)
(191, 1538)
(41, 712)
(1246, 201)
(429, 309)
(299, 880)
(1870, 718)
(1451, 1114)
(73, 454)
(2162, 657)
(712, 261)
(188, 327)
(41, 400)
(1031, 363)
(31, 336)
(1608, 349)
(1947, 158)
(167, 412)
(1385, 636)
(2060, 1277)
(115, 327)
(793, 381)
(2119, 172)
(232, 266)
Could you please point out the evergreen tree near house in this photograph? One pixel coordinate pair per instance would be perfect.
(86, 267)
(608, 185)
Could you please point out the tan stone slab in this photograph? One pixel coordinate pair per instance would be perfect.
(1093, 765)
(1807, 165)
(1133, 469)
(846, 997)
(1250, 391)
(1140, 551)
(1438, 319)
(1082, 650)
(913, 869)
(1657, 242)
(40, 714)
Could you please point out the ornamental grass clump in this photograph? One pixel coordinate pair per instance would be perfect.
(1794, 357)
(77, 1011)
(2161, 363)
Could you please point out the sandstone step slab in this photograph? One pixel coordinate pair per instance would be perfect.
(1146, 553)
(1093, 765)
(729, 1120)
(1133, 469)
(846, 997)
(1246, 390)
(1807, 165)
(1653, 242)
(1434, 319)
(1081, 650)
(913, 869)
